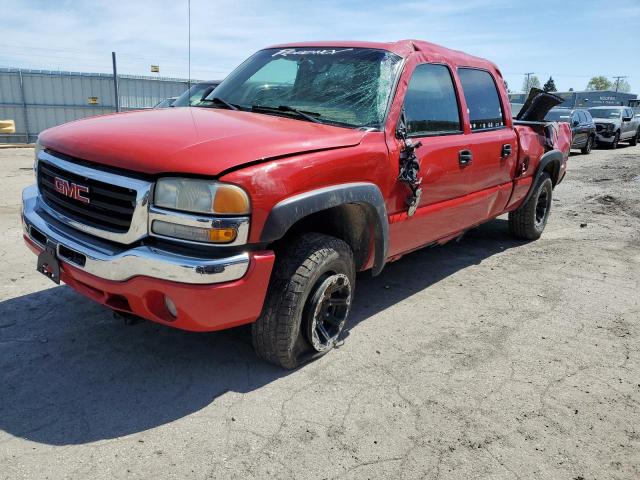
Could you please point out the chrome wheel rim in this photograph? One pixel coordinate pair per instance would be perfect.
(328, 308)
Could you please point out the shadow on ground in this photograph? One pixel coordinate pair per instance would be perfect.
(71, 374)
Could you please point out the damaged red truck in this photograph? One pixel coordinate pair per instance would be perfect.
(310, 162)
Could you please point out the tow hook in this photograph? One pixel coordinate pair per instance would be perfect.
(409, 174)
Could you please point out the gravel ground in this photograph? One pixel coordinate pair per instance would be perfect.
(486, 358)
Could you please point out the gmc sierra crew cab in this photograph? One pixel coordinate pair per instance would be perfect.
(308, 163)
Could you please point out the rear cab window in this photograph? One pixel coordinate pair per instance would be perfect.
(483, 100)
(430, 104)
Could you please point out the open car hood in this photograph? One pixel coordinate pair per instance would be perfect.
(537, 105)
(199, 141)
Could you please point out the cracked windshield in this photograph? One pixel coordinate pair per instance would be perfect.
(340, 86)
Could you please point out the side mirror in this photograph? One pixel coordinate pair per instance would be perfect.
(575, 123)
(627, 119)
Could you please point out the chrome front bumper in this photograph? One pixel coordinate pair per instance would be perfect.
(104, 260)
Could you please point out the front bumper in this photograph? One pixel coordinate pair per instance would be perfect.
(605, 137)
(209, 293)
(113, 262)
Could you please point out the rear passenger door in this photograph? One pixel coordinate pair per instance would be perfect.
(493, 146)
(578, 128)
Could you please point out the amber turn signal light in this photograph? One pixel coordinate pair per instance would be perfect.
(230, 200)
(222, 235)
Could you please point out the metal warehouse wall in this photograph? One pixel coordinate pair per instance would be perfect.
(39, 99)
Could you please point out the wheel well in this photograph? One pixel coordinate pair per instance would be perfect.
(348, 222)
(553, 169)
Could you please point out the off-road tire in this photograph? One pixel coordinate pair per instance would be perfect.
(616, 139)
(634, 141)
(279, 335)
(586, 150)
(523, 222)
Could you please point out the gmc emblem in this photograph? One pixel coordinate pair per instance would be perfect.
(71, 190)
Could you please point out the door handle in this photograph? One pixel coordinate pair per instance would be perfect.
(465, 157)
(506, 150)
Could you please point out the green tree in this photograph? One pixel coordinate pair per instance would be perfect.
(533, 82)
(599, 83)
(550, 86)
(623, 86)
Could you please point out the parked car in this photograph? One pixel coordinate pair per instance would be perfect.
(616, 124)
(194, 95)
(167, 102)
(310, 162)
(582, 126)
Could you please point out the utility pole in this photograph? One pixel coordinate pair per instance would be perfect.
(24, 107)
(528, 75)
(618, 78)
(115, 82)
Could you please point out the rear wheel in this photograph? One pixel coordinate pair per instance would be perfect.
(634, 141)
(529, 220)
(586, 150)
(308, 301)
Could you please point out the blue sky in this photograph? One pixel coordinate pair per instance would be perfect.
(571, 40)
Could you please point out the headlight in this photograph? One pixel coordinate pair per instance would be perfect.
(201, 196)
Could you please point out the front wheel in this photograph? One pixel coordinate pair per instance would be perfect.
(308, 301)
(586, 150)
(634, 141)
(615, 142)
(529, 220)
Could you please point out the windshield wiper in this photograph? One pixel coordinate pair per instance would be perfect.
(220, 101)
(311, 116)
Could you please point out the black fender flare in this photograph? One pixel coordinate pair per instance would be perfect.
(290, 210)
(552, 156)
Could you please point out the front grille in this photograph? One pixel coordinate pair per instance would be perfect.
(109, 208)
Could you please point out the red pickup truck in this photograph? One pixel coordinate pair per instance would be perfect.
(309, 162)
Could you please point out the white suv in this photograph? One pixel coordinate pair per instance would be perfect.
(615, 124)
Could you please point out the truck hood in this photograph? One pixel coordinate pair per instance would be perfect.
(200, 141)
(606, 121)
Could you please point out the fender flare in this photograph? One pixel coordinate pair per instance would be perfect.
(553, 156)
(290, 210)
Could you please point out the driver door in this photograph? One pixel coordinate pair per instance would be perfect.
(432, 117)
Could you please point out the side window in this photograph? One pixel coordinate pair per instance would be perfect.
(430, 104)
(482, 98)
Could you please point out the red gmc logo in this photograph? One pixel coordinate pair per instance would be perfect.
(71, 190)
